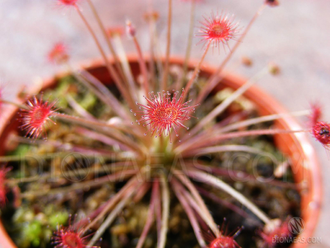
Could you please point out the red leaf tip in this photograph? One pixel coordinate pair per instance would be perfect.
(58, 54)
(273, 231)
(217, 29)
(316, 113)
(321, 131)
(164, 112)
(68, 2)
(37, 116)
(72, 236)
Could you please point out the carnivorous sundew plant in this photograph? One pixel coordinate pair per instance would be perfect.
(152, 153)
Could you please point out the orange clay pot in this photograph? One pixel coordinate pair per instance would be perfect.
(297, 147)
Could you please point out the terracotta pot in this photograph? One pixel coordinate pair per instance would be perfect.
(296, 146)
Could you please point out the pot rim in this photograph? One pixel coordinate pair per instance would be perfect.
(311, 166)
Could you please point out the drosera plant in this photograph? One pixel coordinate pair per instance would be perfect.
(71, 236)
(275, 231)
(58, 54)
(134, 156)
(37, 116)
(225, 239)
(163, 114)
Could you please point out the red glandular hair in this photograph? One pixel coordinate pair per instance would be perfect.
(36, 117)
(321, 131)
(217, 29)
(164, 112)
